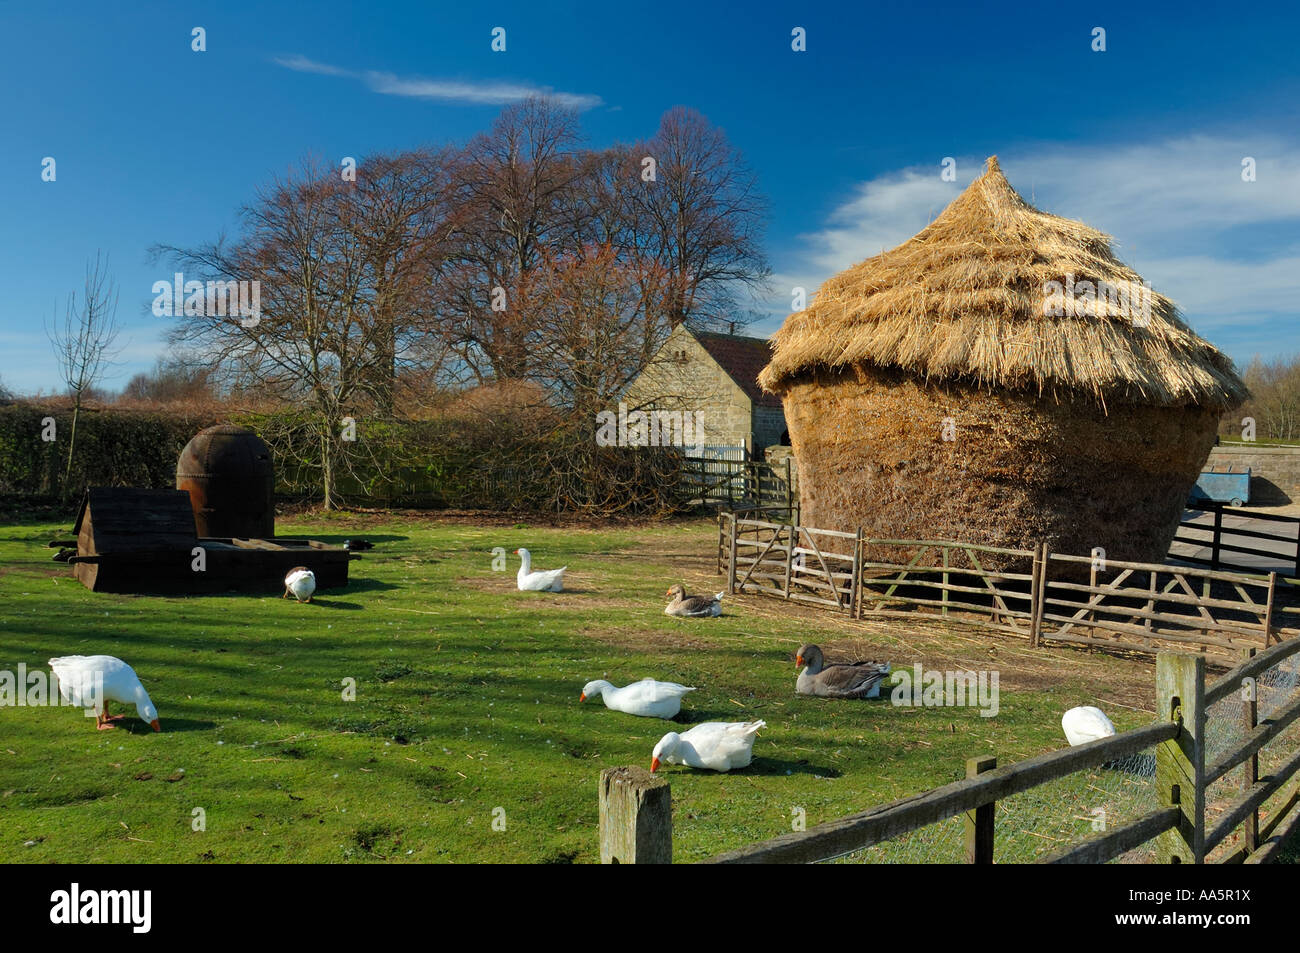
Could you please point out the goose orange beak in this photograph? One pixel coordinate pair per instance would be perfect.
(798, 660)
(654, 765)
(155, 725)
(582, 697)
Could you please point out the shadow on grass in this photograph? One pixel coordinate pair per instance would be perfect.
(765, 766)
(697, 716)
(369, 585)
(339, 539)
(538, 593)
(759, 767)
(169, 725)
(335, 603)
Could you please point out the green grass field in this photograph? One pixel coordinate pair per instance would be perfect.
(466, 705)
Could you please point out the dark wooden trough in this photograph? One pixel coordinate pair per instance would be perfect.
(144, 541)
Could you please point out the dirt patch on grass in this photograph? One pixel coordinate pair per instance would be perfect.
(361, 518)
(1125, 681)
(52, 571)
(578, 595)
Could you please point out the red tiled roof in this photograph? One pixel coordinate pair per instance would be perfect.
(742, 358)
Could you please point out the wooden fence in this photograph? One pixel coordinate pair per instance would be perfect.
(740, 482)
(1178, 825)
(1059, 597)
(1242, 530)
(794, 562)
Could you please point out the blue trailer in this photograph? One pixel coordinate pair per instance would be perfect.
(1230, 486)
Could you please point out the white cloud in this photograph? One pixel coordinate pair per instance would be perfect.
(442, 90)
(301, 64)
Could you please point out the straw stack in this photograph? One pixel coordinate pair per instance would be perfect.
(1080, 405)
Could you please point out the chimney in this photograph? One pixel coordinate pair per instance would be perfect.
(731, 327)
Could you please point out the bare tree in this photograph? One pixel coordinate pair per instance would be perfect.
(693, 221)
(84, 343)
(172, 379)
(597, 319)
(1275, 399)
(517, 185)
(402, 213)
(316, 338)
(701, 218)
(520, 258)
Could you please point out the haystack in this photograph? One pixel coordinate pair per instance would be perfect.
(1000, 378)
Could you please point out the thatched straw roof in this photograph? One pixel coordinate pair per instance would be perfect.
(964, 300)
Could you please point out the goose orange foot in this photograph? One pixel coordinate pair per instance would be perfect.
(104, 721)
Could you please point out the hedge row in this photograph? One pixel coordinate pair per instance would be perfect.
(499, 463)
(504, 463)
(114, 448)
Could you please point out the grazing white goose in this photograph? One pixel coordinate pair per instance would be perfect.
(854, 680)
(1085, 724)
(647, 697)
(301, 582)
(693, 606)
(548, 580)
(81, 676)
(715, 745)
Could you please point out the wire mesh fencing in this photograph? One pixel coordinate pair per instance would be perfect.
(1034, 825)
(1045, 820)
(1228, 722)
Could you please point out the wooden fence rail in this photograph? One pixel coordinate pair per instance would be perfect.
(860, 831)
(1190, 533)
(1085, 600)
(1177, 826)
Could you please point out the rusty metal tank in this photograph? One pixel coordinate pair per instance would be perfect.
(230, 478)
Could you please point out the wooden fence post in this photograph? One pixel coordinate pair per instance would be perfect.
(636, 817)
(1092, 616)
(1037, 594)
(1207, 590)
(1268, 610)
(1151, 603)
(789, 495)
(1218, 531)
(731, 558)
(979, 822)
(789, 558)
(1033, 596)
(945, 581)
(1250, 770)
(1297, 551)
(1180, 762)
(855, 588)
(721, 541)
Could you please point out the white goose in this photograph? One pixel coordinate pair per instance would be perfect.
(647, 697)
(82, 677)
(301, 582)
(715, 745)
(549, 580)
(1085, 724)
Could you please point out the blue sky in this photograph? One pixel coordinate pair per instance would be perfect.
(157, 143)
